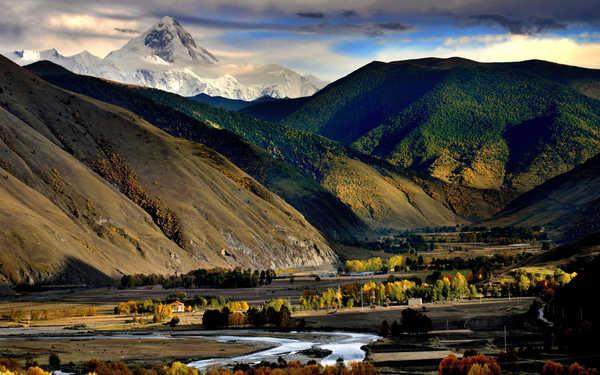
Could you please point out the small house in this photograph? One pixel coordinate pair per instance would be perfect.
(177, 307)
(415, 301)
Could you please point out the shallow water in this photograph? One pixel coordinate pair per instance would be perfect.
(346, 345)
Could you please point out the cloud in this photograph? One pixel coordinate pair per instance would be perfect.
(396, 26)
(517, 26)
(310, 14)
(474, 39)
(126, 31)
(10, 26)
(324, 28)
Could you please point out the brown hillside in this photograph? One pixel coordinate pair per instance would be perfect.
(171, 205)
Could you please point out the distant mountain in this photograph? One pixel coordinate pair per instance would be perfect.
(167, 57)
(502, 126)
(230, 104)
(379, 194)
(83, 62)
(91, 191)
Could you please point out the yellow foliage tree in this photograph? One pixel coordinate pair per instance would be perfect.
(162, 312)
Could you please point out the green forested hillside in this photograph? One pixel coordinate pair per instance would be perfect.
(488, 126)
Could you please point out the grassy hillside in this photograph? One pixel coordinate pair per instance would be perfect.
(585, 247)
(487, 126)
(568, 201)
(93, 191)
(377, 193)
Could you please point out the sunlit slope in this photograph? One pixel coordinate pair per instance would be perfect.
(146, 201)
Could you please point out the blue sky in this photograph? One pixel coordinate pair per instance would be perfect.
(325, 38)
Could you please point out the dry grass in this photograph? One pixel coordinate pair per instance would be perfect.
(126, 350)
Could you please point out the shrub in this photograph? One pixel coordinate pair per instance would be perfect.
(174, 322)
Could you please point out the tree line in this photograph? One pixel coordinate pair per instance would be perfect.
(214, 278)
(281, 367)
(276, 313)
(478, 364)
(446, 287)
(46, 314)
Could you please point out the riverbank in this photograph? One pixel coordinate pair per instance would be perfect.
(200, 349)
(132, 351)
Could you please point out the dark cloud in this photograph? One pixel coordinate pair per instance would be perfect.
(349, 13)
(531, 25)
(543, 24)
(127, 31)
(366, 28)
(10, 27)
(396, 26)
(10, 31)
(311, 14)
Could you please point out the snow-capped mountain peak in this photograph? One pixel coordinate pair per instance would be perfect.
(167, 57)
(167, 40)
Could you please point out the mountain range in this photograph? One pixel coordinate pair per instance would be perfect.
(274, 182)
(343, 193)
(167, 57)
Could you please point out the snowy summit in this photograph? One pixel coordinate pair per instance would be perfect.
(167, 57)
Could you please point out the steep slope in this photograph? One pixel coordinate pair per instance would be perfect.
(167, 57)
(108, 191)
(486, 126)
(319, 206)
(378, 194)
(568, 201)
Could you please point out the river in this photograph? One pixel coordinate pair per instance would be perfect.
(346, 345)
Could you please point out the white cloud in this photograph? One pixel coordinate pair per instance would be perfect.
(89, 24)
(466, 40)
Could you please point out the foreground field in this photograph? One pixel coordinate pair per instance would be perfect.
(132, 351)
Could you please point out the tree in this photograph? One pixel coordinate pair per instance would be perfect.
(415, 321)
(552, 368)
(524, 283)
(54, 361)
(162, 312)
(384, 329)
